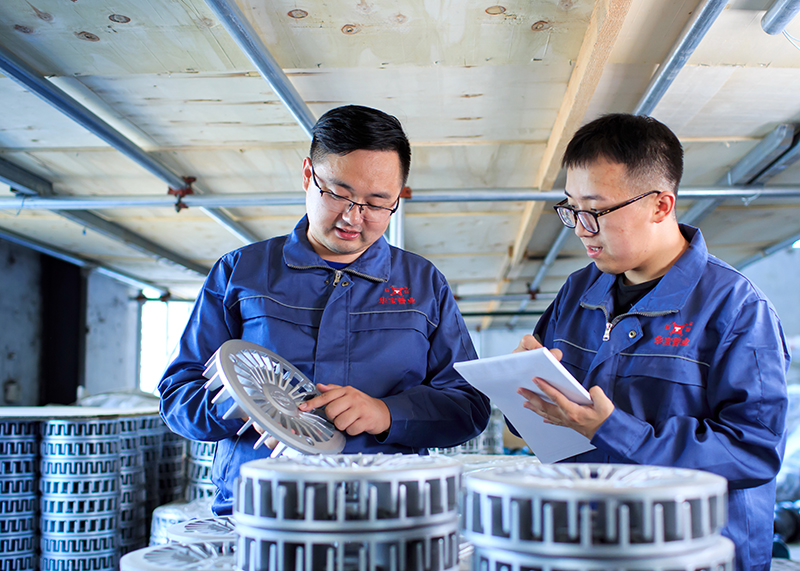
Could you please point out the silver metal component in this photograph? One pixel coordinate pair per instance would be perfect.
(695, 30)
(267, 389)
(181, 557)
(177, 512)
(718, 555)
(249, 41)
(604, 510)
(358, 492)
(207, 530)
(429, 548)
(478, 462)
(779, 15)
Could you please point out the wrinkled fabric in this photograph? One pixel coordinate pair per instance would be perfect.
(387, 325)
(696, 371)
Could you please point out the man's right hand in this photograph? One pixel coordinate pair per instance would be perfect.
(529, 342)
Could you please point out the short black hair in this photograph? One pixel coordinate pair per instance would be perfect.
(343, 130)
(645, 146)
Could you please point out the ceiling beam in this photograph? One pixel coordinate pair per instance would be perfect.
(598, 41)
(30, 185)
(79, 261)
(22, 73)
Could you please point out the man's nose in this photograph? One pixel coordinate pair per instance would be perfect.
(353, 212)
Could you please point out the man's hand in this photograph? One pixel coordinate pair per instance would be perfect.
(585, 419)
(529, 342)
(350, 410)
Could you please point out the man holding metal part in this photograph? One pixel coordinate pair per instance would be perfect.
(376, 327)
(683, 356)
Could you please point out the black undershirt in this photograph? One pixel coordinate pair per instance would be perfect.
(626, 296)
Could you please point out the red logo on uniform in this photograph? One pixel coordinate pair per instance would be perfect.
(675, 336)
(396, 296)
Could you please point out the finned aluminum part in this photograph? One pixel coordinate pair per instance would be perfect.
(353, 492)
(206, 530)
(718, 555)
(428, 548)
(597, 510)
(267, 389)
(181, 557)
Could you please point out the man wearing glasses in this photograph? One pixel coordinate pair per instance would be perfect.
(684, 358)
(374, 326)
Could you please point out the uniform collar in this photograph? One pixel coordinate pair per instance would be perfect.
(375, 262)
(674, 288)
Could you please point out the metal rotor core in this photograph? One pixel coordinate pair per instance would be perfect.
(267, 389)
(607, 510)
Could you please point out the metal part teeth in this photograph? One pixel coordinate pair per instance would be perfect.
(221, 396)
(234, 412)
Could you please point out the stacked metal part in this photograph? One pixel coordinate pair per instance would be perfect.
(171, 466)
(184, 556)
(207, 530)
(596, 516)
(80, 494)
(132, 519)
(18, 494)
(176, 512)
(348, 513)
(150, 432)
(201, 458)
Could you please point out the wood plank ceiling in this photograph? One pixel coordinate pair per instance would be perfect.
(489, 95)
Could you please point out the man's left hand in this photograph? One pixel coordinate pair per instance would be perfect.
(585, 419)
(350, 410)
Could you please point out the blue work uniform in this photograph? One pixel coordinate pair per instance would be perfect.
(387, 324)
(696, 371)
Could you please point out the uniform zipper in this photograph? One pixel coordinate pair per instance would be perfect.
(336, 277)
(339, 273)
(613, 322)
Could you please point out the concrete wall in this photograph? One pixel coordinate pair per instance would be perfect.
(20, 316)
(112, 336)
(778, 276)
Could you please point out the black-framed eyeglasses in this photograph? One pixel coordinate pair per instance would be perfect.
(588, 218)
(340, 204)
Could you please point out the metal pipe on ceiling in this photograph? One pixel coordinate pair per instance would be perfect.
(26, 76)
(767, 151)
(779, 15)
(79, 261)
(31, 202)
(777, 247)
(547, 263)
(242, 32)
(694, 31)
(30, 186)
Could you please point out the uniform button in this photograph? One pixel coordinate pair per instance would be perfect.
(327, 281)
(632, 334)
(345, 284)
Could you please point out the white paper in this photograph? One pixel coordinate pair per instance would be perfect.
(500, 377)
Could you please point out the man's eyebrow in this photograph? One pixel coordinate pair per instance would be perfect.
(349, 188)
(587, 197)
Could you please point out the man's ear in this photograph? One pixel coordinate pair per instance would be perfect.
(665, 206)
(307, 173)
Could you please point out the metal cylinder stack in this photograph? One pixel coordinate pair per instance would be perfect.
(201, 458)
(132, 516)
(599, 517)
(348, 513)
(171, 466)
(18, 454)
(80, 494)
(186, 556)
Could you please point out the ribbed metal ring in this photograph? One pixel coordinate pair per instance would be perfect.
(719, 556)
(347, 492)
(600, 510)
(427, 548)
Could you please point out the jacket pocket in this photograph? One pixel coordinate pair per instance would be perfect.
(391, 319)
(262, 306)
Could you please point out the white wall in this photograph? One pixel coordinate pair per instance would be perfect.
(20, 316)
(112, 336)
(778, 276)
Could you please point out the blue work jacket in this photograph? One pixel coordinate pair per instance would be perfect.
(387, 325)
(696, 371)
